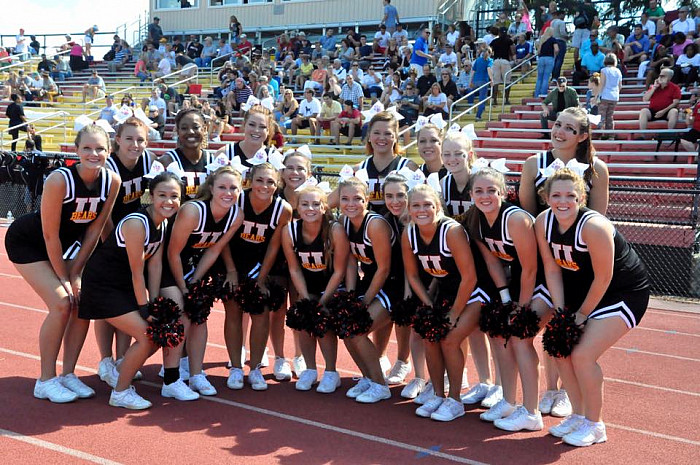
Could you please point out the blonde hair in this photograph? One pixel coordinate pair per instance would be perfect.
(92, 129)
(488, 172)
(353, 182)
(565, 174)
(205, 190)
(461, 139)
(428, 191)
(326, 222)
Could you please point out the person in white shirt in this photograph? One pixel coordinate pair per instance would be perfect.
(309, 108)
(492, 34)
(158, 101)
(399, 33)
(338, 70)
(164, 67)
(356, 72)
(372, 83)
(449, 57)
(683, 23)
(452, 35)
(648, 26)
(383, 37)
(21, 48)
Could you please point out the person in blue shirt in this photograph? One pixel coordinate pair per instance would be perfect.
(586, 44)
(420, 55)
(482, 69)
(391, 16)
(523, 50)
(329, 43)
(636, 46)
(591, 62)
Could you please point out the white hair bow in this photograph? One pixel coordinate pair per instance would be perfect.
(392, 109)
(498, 164)
(303, 150)
(433, 180)
(275, 158)
(259, 158)
(347, 172)
(267, 102)
(237, 165)
(83, 120)
(593, 119)
(435, 118)
(376, 108)
(312, 181)
(218, 162)
(123, 114)
(142, 116)
(156, 169)
(413, 178)
(467, 130)
(176, 170)
(573, 164)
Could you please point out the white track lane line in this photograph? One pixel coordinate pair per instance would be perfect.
(348, 432)
(55, 447)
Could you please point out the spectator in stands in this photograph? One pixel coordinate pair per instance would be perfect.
(452, 35)
(330, 109)
(559, 33)
(482, 74)
(518, 26)
(164, 67)
(560, 98)
(287, 109)
(583, 22)
(491, 34)
(502, 21)
(420, 55)
(22, 46)
(523, 51)
(382, 36)
(660, 58)
(448, 86)
(346, 54)
(186, 64)
(685, 72)
(45, 64)
(464, 81)
(339, 71)
(61, 70)
(95, 87)
(547, 15)
(155, 32)
(683, 24)
(302, 46)
(503, 52)
(353, 91)
(392, 52)
(636, 46)
(435, 102)
(244, 47)
(663, 97)
(157, 127)
(425, 81)
(408, 106)
(109, 111)
(224, 54)
(591, 62)
(77, 63)
(33, 137)
(391, 92)
(329, 43)
(333, 88)
(208, 53)
(363, 53)
(391, 17)
(157, 100)
(15, 113)
(547, 50)
(610, 86)
(680, 41)
(240, 95)
(193, 48)
(356, 72)
(347, 123)
(648, 26)
(689, 139)
(611, 39)
(399, 34)
(319, 77)
(592, 93)
(235, 29)
(120, 59)
(449, 58)
(34, 46)
(654, 11)
(48, 86)
(309, 109)
(372, 83)
(141, 71)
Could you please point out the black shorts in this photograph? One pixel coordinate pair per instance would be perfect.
(345, 130)
(303, 124)
(654, 118)
(630, 306)
(692, 136)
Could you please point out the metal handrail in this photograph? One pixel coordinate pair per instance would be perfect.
(120, 91)
(446, 5)
(467, 95)
(178, 71)
(508, 73)
(27, 123)
(11, 57)
(211, 71)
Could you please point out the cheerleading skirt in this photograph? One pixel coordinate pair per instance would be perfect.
(630, 306)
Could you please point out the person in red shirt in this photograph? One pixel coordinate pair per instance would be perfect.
(244, 46)
(690, 138)
(663, 97)
(347, 123)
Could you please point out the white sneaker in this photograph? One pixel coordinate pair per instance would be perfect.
(449, 410)
(53, 390)
(545, 405)
(74, 384)
(306, 380)
(398, 372)
(179, 391)
(105, 367)
(494, 395)
(429, 407)
(562, 406)
(329, 382)
(476, 394)
(500, 410)
(128, 398)
(519, 420)
(265, 360)
(425, 395)
(568, 425)
(185, 368)
(413, 388)
(375, 393)
(298, 365)
(256, 380)
(385, 364)
(235, 378)
(282, 370)
(362, 385)
(200, 383)
(588, 433)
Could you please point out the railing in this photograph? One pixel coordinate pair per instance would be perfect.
(120, 91)
(511, 84)
(32, 121)
(179, 71)
(212, 70)
(465, 96)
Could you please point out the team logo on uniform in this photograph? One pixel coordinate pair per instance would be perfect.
(497, 249)
(312, 261)
(207, 240)
(132, 190)
(254, 232)
(431, 265)
(85, 209)
(151, 249)
(459, 206)
(562, 255)
(192, 181)
(375, 190)
(358, 251)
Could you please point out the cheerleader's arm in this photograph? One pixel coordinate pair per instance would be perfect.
(599, 231)
(295, 272)
(185, 222)
(552, 271)
(527, 192)
(379, 233)
(51, 200)
(457, 241)
(600, 192)
(134, 234)
(523, 234)
(341, 252)
(273, 248)
(155, 271)
(410, 266)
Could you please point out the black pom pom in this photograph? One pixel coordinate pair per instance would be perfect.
(494, 319)
(308, 315)
(562, 334)
(348, 315)
(223, 291)
(277, 297)
(403, 311)
(249, 297)
(165, 329)
(432, 322)
(199, 300)
(525, 323)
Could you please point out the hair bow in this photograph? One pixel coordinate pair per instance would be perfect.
(433, 180)
(176, 170)
(218, 162)
(347, 172)
(237, 165)
(435, 118)
(311, 182)
(392, 109)
(498, 164)
(573, 164)
(467, 130)
(83, 120)
(593, 119)
(138, 113)
(376, 108)
(413, 178)
(275, 159)
(303, 150)
(123, 114)
(259, 158)
(156, 169)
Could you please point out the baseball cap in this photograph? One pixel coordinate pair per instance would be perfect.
(561, 80)
(156, 18)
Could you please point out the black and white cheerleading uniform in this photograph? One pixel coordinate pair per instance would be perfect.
(375, 181)
(234, 150)
(396, 282)
(363, 251)
(133, 184)
(544, 159)
(442, 172)
(456, 201)
(627, 295)
(107, 289)
(195, 173)
(82, 205)
(249, 244)
(205, 235)
(312, 258)
(500, 243)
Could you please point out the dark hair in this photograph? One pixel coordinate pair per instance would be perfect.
(166, 176)
(14, 97)
(182, 113)
(585, 152)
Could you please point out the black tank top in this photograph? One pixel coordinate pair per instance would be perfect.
(311, 258)
(456, 201)
(361, 246)
(544, 159)
(133, 184)
(435, 260)
(396, 276)
(375, 180)
(442, 172)
(195, 173)
(234, 150)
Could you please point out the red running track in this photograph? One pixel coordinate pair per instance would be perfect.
(651, 402)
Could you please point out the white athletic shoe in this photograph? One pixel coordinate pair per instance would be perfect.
(256, 380)
(568, 425)
(200, 383)
(562, 406)
(545, 405)
(430, 406)
(519, 420)
(282, 370)
(494, 395)
(306, 380)
(385, 364)
(449, 410)
(179, 391)
(235, 379)
(476, 394)
(105, 367)
(398, 372)
(53, 390)
(413, 388)
(298, 365)
(587, 433)
(329, 382)
(111, 377)
(426, 394)
(129, 399)
(501, 410)
(375, 393)
(362, 385)
(73, 383)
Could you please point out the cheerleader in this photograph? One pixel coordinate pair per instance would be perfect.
(371, 242)
(429, 144)
(606, 285)
(427, 245)
(208, 222)
(571, 139)
(131, 161)
(395, 190)
(507, 239)
(123, 275)
(317, 251)
(255, 247)
(50, 247)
